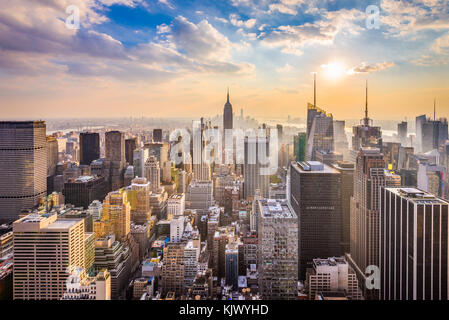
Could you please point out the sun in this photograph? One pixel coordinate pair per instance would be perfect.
(334, 70)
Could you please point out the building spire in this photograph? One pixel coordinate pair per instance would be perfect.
(314, 89)
(366, 100)
(228, 95)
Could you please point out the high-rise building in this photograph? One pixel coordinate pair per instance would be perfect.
(341, 144)
(140, 157)
(315, 196)
(413, 245)
(346, 170)
(430, 134)
(256, 165)
(82, 191)
(140, 200)
(199, 196)
(130, 146)
(157, 135)
(44, 248)
(402, 133)
(153, 173)
(23, 167)
(201, 168)
(299, 146)
(332, 275)
(52, 155)
(176, 205)
(172, 275)
(89, 147)
(369, 176)
(116, 217)
(227, 115)
(320, 131)
(278, 250)
(115, 158)
(232, 265)
(365, 134)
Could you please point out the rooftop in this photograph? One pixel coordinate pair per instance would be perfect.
(273, 208)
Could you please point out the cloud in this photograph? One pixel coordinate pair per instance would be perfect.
(441, 44)
(282, 9)
(285, 69)
(292, 38)
(364, 68)
(235, 21)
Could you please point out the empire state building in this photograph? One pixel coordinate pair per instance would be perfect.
(227, 115)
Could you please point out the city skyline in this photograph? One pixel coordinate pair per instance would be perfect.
(130, 56)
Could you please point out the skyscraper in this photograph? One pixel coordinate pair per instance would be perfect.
(255, 166)
(430, 133)
(157, 135)
(320, 128)
(130, 146)
(299, 146)
(153, 173)
(115, 158)
(44, 248)
(402, 133)
(277, 250)
(370, 174)
(315, 196)
(23, 167)
(365, 134)
(413, 245)
(227, 115)
(89, 147)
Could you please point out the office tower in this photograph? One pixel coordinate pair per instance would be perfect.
(402, 133)
(199, 196)
(44, 248)
(116, 217)
(332, 275)
(114, 256)
(391, 151)
(172, 275)
(115, 158)
(128, 176)
(201, 169)
(320, 131)
(176, 228)
(182, 181)
(140, 201)
(89, 147)
(130, 146)
(158, 149)
(346, 170)
(158, 203)
(80, 286)
(369, 176)
(404, 157)
(82, 191)
(166, 172)
(140, 157)
(430, 178)
(278, 250)
(413, 245)
(153, 173)
(299, 143)
(227, 115)
(315, 196)
(157, 135)
(232, 265)
(176, 204)
(365, 134)
(52, 155)
(341, 144)
(23, 167)
(191, 256)
(430, 134)
(256, 165)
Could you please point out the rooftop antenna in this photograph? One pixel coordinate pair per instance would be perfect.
(314, 89)
(366, 119)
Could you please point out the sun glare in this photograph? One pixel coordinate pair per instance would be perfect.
(334, 70)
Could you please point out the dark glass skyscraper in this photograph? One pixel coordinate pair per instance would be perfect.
(23, 167)
(89, 147)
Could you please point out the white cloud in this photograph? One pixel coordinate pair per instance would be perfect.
(364, 67)
(235, 20)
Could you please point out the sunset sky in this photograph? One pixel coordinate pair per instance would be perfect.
(173, 58)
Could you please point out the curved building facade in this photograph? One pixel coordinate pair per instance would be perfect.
(23, 167)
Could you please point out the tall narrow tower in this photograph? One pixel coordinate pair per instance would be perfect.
(227, 115)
